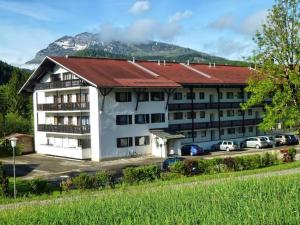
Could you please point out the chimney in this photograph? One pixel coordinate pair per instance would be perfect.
(214, 65)
(164, 62)
(209, 65)
(188, 62)
(133, 59)
(67, 56)
(158, 62)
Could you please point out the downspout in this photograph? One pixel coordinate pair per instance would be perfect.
(219, 117)
(243, 112)
(192, 102)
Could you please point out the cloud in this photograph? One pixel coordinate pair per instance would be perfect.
(139, 7)
(140, 31)
(226, 21)
(180, 16)
(247, 26)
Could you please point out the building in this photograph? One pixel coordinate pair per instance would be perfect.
(93, 108)
(24, 143)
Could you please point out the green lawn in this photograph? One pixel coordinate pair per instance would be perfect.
(274, 200)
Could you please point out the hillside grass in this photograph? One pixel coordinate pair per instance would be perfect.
(274, 200)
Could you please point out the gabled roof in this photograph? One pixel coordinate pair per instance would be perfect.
(103, 72)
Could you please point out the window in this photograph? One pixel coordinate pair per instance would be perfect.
(157, 96)
(83, 97)
(240, 95)
(177, 96)
(70, 120)
(229, 95)
(85, 120)
(201, 95)
(123, 119)
(249, 112)
(69, 98)
(190, 134)
(240, 130)
(178, 116)
(141, 118)
(230, 113)
(250, 129)
(157, 118)
(202, 114)
(203, 133)
(222, 132)
(55, 77)
(68, 76)
(191, 115)
(190, 95)
(220, 95)
(59, 120)
(124, 142)
(231, 131)
(240, 112)
(143, 96)
(221, 113)
(123, 96)
(143, 140)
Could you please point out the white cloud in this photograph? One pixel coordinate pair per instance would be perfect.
(140, 31)
(254, 22)
(180, 16)
(139, 7)
(223, 22)
(33, 10)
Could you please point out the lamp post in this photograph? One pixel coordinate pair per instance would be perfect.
(13, 142)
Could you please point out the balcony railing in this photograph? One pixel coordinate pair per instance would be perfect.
(60, 84)
(215, 124)
(64, 106)
(83, 129)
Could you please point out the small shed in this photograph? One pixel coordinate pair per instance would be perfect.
(25, 142)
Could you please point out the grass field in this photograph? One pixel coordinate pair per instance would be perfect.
(273, 200)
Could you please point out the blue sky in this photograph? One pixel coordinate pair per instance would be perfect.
(220, 27)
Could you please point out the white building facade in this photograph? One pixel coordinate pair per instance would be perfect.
(101, 109)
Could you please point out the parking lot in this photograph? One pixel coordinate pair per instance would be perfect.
(49, 167)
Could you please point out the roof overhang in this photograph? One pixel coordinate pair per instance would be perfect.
(166, 134)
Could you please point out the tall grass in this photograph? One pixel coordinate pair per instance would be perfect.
(273, 200)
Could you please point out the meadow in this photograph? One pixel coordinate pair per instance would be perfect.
(263, 200)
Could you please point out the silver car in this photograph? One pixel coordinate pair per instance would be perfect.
(255, 142)
(281, 139)
(270, 139)
(229, 146)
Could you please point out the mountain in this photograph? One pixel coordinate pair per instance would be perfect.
(7, 70)
(90, 44)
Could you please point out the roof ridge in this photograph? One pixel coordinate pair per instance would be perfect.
(195, 70)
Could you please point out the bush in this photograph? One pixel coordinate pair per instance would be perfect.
(205, 165)
(269, 159)
(103, 179)
(177, 167)
(65, 185)
(288, 154)
(190, 167)
(230, 164)
(251, 162)
(38, 186)
(170, 176)
(141, 174)
(3, 181)
(84, 181)
(292, 153)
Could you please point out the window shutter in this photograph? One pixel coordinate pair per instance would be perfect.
(130, 141)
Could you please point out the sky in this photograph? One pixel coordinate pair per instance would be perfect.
(219, 27)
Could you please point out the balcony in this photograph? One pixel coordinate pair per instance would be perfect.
(60, 84)
(73, 129)
(202, 106)
(64, 106)
(214, 124)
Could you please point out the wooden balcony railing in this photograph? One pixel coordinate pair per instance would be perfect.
(64, 106)
(214, 124)
(60, 84)
(73, 129)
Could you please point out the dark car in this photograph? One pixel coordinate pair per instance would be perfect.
(216, 146)
(292, 139)
(191, 150)
(170, 161)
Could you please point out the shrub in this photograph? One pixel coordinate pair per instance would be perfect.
(190, 167)
(103, 179)
(251, 162)
(65, 185)
(217, 165)
(170, 176)
(3, 181)
(84, 181)
(141, 174)
(230, 163)
(38, 186)
(177, 167)
(268, 159)
(292, 153)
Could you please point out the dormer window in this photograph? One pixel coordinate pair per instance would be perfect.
(68, 76)
(55, 77)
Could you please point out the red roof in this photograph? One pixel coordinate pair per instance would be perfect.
(225, 74)
(112, 72)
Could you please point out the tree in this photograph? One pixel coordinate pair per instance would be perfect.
(277, 75)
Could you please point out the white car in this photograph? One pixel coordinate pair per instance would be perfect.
(228, 145)
(271, 140)
(255, 142)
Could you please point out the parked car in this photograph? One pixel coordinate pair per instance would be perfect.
(255, 142)
(170, 161)
(270, 139)
(282, 139)
(292, 140)
(192, 150)
(226, 145)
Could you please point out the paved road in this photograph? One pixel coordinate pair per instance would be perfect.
(168, 186)
(51, 168)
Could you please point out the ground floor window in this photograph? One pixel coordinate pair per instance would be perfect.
(191, 115)
(240, 130)
(142, 140)
(157, 118)
(124, 142)
(222, 132)
(141, 118)
(231, 130)
(203, 133)
(190, 134)
(178, 116)
(250, 129)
